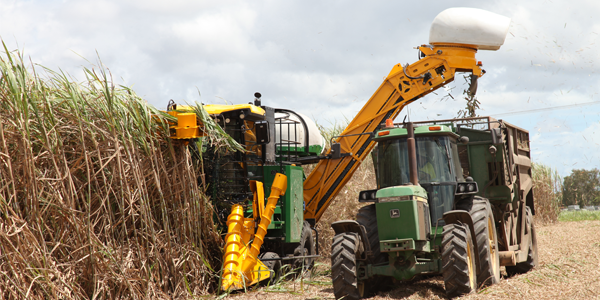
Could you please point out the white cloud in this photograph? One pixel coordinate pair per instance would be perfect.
(223, 36)
(324, 59)
(567, 150)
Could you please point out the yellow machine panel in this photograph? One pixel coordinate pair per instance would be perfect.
(215, 109)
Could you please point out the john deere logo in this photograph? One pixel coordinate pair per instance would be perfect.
(394, 213)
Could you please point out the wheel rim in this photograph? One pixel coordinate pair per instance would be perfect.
(361, 289)
(472, 278)
(492, 247)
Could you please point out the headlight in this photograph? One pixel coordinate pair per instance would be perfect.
(367, 196)
(464, 188)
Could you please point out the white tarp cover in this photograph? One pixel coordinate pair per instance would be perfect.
(463, 25)
(297, 132)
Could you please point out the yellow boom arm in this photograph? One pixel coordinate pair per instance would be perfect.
(402, 86)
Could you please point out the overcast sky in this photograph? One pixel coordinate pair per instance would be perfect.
(326, 58)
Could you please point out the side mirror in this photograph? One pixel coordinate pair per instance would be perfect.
(464, 140)
(262, 133)
(496, 136)
(374, 157)
(336, 150)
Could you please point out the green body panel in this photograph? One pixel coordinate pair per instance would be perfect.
(312, 150)
(405, 190)
(404, 266)
(404, 245)
(288, 218)
(480, 161)
(406, 225)
(408, 258)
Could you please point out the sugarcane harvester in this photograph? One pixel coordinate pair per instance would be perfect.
(262, 234)
(278, 141)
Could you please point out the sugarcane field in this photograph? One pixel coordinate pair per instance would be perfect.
(299, 150)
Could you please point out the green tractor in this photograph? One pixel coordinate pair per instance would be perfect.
(453, 198)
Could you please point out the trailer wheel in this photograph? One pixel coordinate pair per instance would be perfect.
(306, 247)
(486, 238)
(367, 217)
(345, 250)
(273, 265)
(458, 260)
(532, 253)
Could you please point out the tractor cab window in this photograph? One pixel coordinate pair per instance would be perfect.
(392, 163)
(435, 161)
(436, 164)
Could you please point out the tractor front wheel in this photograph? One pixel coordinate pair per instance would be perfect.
(458, 260)
(486, 238)
(345, 251)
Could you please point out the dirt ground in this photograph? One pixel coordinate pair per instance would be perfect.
(569, 268)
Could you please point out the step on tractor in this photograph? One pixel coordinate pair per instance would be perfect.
(453, 198)
(265, 234)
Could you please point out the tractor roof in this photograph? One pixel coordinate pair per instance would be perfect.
(397, 132)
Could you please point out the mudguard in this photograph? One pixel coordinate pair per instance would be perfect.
(353, 226)
(463, 217)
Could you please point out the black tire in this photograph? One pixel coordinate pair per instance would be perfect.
(368, 218)
(306, 247)
(458, 260)
(273, 265)
(532, 253)
(488, 271)
(345, 250)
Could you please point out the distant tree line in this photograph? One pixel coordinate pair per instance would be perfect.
(582, 187)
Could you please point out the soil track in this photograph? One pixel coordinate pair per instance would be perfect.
(569, 256)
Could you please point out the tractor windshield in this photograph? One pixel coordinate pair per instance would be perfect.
(435, 163)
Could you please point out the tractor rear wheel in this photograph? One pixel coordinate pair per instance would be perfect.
(486, 238)
(345, 250)
(532, 253)
(368, 218)
(458, 260)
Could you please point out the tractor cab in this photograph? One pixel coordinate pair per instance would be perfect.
(437, 163)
